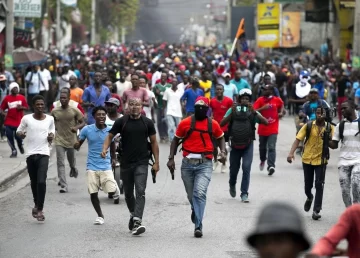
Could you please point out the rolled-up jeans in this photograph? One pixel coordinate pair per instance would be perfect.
(196, 178)
(349, 178)
(246, 155)
(135, 175)
(268, 146)
(172, 123)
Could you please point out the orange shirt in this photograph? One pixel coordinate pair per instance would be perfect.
(194, 142)
(76, 95)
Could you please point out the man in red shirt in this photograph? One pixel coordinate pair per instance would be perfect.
(348, 227)
(197, 132)
(15, 105)
(219, 105)
(271, 108)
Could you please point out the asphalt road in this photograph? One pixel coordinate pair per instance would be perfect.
(69, 231)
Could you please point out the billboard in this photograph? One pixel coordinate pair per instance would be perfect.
(27, 8)
(290, 29)
(268, 21)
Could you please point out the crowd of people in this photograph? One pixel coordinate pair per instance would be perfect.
(119, 98)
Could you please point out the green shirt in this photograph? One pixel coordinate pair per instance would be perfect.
(162, 89)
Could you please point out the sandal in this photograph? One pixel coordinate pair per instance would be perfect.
(99, 221)
(34, 212)
(40, 216)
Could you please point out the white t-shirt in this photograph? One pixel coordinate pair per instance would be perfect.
(350, 147)
(121, 87)
(173, 107)
(110, 122)
(37, 132)
(45, 78)
(182, 86)
(147, 110)
(34, 82)
(156, 76)
(259, 75)
(64, 80)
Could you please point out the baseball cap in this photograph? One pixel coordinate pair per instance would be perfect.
(2, 77)
(315, 90)
(227, 75)
(202, 101)
(221, 64)
(268, 62)
(114, 101)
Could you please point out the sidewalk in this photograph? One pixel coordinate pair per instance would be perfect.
(10, 168)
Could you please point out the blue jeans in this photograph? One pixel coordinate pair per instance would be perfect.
(235, 161)
(11, 134)
(196, 178)
(268, 145)
(172, 123)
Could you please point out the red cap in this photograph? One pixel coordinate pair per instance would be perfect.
(202, 101)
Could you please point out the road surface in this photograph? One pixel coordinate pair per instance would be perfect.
(68, 230)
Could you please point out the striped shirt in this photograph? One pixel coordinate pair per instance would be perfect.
(350, 147)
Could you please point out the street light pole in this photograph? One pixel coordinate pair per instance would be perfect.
(10, 27)
(58, 24)
(93, 30)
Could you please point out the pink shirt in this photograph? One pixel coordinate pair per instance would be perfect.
(140, 93)
(348, 227)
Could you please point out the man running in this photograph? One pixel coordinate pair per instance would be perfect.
(313, 149)
(197, 132)
(272, 109)
(39, 129)
(68, 120)
(135, 130)
(242, 119)
(15, 104)
(347, 131)
(219, 105)
(98, 169)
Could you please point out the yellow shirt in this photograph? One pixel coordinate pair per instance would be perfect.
(313, 147)
(206, 85)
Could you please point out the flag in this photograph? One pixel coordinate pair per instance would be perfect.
(240, 36)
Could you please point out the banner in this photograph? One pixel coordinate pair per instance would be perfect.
(290, 29)
(72, 3)
(268, 22)
(27, 8)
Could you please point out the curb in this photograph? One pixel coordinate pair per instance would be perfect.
(17, 173)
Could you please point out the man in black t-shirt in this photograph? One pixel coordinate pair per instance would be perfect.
(135, 130)
(342, 84)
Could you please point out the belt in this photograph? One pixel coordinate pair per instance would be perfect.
(196, 161)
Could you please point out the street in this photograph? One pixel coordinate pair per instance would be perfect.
(68, 230)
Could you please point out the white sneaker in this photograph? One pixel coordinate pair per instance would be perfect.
(99, 221)
(223, 168)
(215, 165)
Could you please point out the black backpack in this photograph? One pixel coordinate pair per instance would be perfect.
(150, 153)
(241, 129)
(341, 130)
(192, 129)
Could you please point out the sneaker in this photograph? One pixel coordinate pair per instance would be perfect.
(223, 168)
(21, 149)
(99, 221)
(193, 216)
(232, 190)
(262, 165)
(138, 228)
(215, 164)
(116, 200)
(117, 164)
(131, 223)
(316, 215)
(198, 233)
(13, 154)
(63, 189)
(271, 171)
(245, 198)
(308, 203)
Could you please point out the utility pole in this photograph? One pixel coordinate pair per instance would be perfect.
(93, 30)
(356, 43)
(10, 27)
(58, 25)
